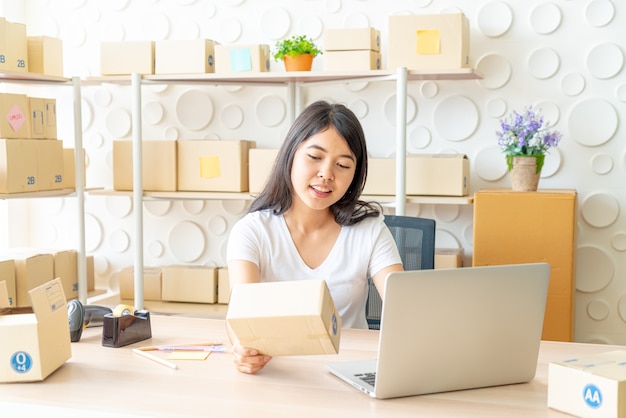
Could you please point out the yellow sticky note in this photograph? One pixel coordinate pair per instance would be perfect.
(428, 42)
(209, 166)
(188, 355)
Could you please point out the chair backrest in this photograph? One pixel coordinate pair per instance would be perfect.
(415, 238)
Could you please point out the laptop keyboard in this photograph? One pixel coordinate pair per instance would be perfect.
(369, 378)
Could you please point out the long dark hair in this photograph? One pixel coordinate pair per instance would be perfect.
(317, 117)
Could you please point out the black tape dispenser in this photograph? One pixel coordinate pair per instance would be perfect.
(82, 316)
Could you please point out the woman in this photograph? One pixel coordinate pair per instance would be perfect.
(308, 222)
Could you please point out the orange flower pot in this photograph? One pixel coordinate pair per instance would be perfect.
(302, 62)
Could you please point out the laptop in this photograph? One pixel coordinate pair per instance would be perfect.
(454, 329)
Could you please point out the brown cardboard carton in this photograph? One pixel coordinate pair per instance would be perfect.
(428, 42)
(213, 165)
(349, 39)
(3, 44)
(381, 177)
(285, 318)
(242, 58)
(352, 60)
(17, 47)
(32, 269)
(126, 57)
(34, 344)
(437, 175)
(14, 116)
(7, 275)
(447, 258)
(50, 165)
(45, 55)
(152, 289)
(197, 284)
(158, 165)
(18, 165)
(223, 286)
(260, 166)
(66, 269)
(195, 56)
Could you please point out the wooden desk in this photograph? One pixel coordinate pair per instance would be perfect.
(105, 382)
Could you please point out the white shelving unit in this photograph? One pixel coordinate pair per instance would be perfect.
(79, 191)
(293, 81)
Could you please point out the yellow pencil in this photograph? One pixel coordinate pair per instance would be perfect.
(155, 358)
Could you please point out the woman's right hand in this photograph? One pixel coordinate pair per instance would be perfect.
(248, 360)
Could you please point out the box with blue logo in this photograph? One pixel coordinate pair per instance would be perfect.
(592, 386)
(285, 318)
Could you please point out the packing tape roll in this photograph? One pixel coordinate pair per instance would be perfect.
(123, 310)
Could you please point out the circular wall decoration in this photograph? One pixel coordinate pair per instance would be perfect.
(102, 97)
(113, 32)
(230, 30)
(490, 163)
(545, 18)
(447, 213)
(156, 26)
(86, 114)
(194, 109)
(543, 63)
(552, 163)
(332, 6)
(186, 241)
(157, 207)
(193, 207)
(598, 309)
(496, 71)
(356, 20)
(218, 225)
(390, 109)
(234, 207)
(311, 25)
(153, 112)
(271, 110)
(594, 269)
(275, 23)
(600, 210)
(119, 241)
(620, 92)
(592, 122)
(496, 108)
(605, 60)
(118, 123)
(232, 116)
(445, 239)
(462, 111)
(601, 164)
(419, 137)
(360, 108)
(156, 249)
(494, 19)
(618, 242)
(118, 206)
(573, 84)
(599, 12)
(429, 89)
(172, 133)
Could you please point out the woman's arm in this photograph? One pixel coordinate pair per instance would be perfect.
(380, 277)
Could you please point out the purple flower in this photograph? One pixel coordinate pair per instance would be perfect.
(526, 134)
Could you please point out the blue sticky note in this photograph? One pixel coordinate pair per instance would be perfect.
(240, 59)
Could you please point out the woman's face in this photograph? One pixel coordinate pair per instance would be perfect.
(323, 169)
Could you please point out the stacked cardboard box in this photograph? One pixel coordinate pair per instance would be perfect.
(354, 49)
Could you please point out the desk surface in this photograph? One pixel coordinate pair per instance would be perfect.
(106, 381)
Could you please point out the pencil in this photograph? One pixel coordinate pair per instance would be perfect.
(155, 358)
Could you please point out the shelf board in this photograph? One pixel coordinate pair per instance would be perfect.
(43, 193)
(16, 76)
(424, 200)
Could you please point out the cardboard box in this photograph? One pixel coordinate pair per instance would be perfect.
(349, 39)
(447, 258)
(223, 286)
(152, 289)
(18, 165)
(261, 161)
(50, 118)
(3, 44)
(437, 175)
(381, 177)
(14, 116)
(352, 60)
(158, 165)
(523, 227)
(428, 42)
(285, 318)
(213, 165)
(37, 112)
(50, 165)
(184, 57)
(66, 269)
(34, 344)
(197, 284)
(126, 57)
(91, 274)
(17, 47)
(32, 269)
(45, 55)
(7, 275)
(69, 168)
(242, 58)
(589, 386)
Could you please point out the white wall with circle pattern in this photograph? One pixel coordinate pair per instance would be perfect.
(563, 56)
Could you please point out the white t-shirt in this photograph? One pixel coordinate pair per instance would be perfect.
(361, 251)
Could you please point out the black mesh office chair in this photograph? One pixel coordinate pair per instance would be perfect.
(415, 238)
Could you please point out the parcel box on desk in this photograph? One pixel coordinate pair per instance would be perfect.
(14, 116)
(350, 39)
(195, 56)
(437, 175)
(196, 284)
(352, 60)
(242, 58)
(589, 386)
(126, 57)
(261, 161)
(446, 258)
(285, 318)
(158, 165)
(428, 42)
(36, 343)
(45, 55)
(152, 289)
(213, 165)
(18, 165)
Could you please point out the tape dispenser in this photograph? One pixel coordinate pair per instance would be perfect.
(124, 326)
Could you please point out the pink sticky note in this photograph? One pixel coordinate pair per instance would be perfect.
(16, 118)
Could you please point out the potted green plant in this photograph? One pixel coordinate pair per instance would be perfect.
(296, 52)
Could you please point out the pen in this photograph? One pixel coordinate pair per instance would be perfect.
(155, 358)
(217, 348)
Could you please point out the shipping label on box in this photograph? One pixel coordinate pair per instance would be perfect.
(195, 284)
(349, 39)
(14, 116)
(242, 58)
(437, 175)
(152, 289)
(428, 42)
(589, 386)
(35, 344)
(18, 165)
(45, 55)
(37, 116)
(285, 318)
(50, 118)
(17, 47)
(261, 162)
(159, 163)
(7, 275)
(184, 57)
(352, 60)
(213, 165)
(126, 57)
(50, 165)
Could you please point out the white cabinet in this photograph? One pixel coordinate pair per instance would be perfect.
(32, 79)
